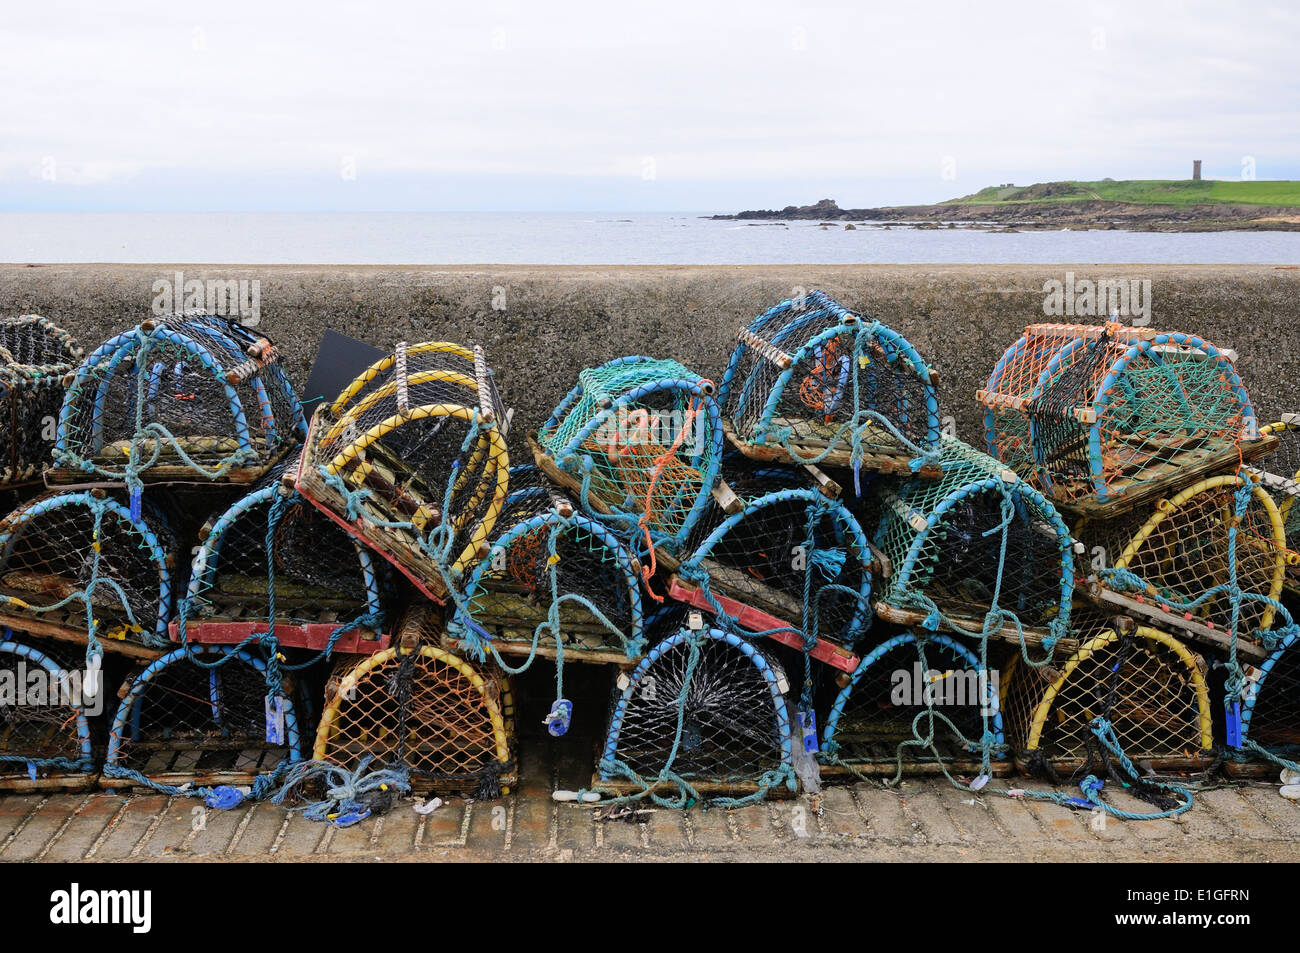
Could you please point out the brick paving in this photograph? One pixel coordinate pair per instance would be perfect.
(923, 820)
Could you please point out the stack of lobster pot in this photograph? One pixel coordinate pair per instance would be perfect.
(1150, 445)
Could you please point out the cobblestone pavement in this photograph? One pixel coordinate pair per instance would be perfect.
(925, 820)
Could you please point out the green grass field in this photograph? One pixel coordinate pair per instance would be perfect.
(1143, 192)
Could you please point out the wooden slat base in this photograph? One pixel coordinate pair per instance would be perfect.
(1066, 766)
(808, 446)
(518, 643)
(295, 635)
(1179, 471)
(167, 472)
(61, 781)
(458, 787)
(1169, 619)
(1251, 770)
(707, 788)
(63, 630)
(966, 766)
(1032, 636)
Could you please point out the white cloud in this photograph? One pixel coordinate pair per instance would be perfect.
(767, 91)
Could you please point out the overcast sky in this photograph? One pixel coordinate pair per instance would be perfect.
(627, 105)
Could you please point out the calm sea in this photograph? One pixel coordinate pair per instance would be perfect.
(580, 239)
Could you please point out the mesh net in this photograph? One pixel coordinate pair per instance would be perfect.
(320, 574)
(419, 707)
(791, 553)
(707, 709)
(185, 397)
(1146, 684)
(200, 714)
(1271, 702)
(43, 722)
(972, 539)
(76, 560)
(811, 379)
(550, 571)
(35, 356)
(653, 436)
(1098, 411)
(906, 692)
(1184, 554)
(1279, 473)
(416, 441)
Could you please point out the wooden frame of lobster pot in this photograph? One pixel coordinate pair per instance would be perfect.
(182, 398)
(1212, 554)
(202, 715)
(46, 742)
(703, 715)
(1104, 417)
(811, 382)
(552, 582)
(934, 720)
(415, 705)
(411, 459)
(976, 547)
(75, 565)
(36, 357)
(639, 442)
(1146, 684)
(789, 562)
(330, 592)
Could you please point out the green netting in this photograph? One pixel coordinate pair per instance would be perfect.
(974, 541)
(1095, 412)
(645, 438)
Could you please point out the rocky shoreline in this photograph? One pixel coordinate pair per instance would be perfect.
(1030, 216)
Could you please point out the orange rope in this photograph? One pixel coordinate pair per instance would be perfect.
(670, 455)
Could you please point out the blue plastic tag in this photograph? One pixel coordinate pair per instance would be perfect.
(275, 720)
(1234, 725)
(135, 504)
(808, 725)
(557, 722)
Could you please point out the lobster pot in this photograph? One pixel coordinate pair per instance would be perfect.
(419, 707)
(1279, 474)
(1269, 708)
(186, 397)
(75, 564)
(411, 458)
(1181, 564)
(811, 381)
(1105, 416)
(975, 540)
(553, 579)
(45, 729)
(923, 705)
(35, 357)
(1145, 683)
(640, 440)
(704, 712)
(328, 589)
(203, 714)
(789, 561)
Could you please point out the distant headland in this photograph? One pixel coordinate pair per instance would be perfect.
(1151, 205)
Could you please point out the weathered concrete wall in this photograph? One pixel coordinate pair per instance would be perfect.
(557, 320)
